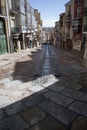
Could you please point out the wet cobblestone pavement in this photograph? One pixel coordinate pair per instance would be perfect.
(44, 90)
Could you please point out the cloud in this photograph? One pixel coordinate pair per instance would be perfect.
(49, 23)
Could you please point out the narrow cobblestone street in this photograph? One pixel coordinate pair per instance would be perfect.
(43, 89)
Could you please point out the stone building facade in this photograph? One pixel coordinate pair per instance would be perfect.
(17, 23)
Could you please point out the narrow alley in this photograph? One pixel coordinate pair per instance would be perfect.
(43, 89)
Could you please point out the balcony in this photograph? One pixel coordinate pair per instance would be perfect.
(77, 22)
(3, 10)
(13, 10)
(68, 19)
(85, 11)
(15, 30)
(76, 29)
(77, 25)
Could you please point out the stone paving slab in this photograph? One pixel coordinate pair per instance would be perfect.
(13, 123)
(69, 84)
(4, 101)
(58, 98)
(80, 123)
(5, 92)
(44, 80)
(19, 95)
(22, 86)
(14, 108)
(35, 88)
(14, 94)
(43, 91)
(48, 124)
(62, 100)
(73, 93)
(4, 63)
(84, 98)
(84, 87)
(33, 100)
(41, 80)
(63, 114)
(2, 114)
(55, 87)
(51, 79)
(33, 115)
(79, 107)
(11, 94)
(13, 83)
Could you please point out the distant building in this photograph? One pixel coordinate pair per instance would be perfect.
(38, 25)
(62, 30)
(57, 26)
(57, 34)
(43, 36)
(47, 35)
(77, 24)
(69, 16)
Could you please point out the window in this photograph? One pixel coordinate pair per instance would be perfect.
(78, 1)
(86, 21)
(2, 28)
(79, 12)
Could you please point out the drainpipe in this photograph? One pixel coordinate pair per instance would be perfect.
(8, 26)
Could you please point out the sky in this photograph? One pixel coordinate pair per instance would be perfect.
(49, 10)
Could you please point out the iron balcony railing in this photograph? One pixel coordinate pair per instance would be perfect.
(15, 30)
(77, 22)
(13, 9)
(77, 25)
(76, 29)
(2, 10)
